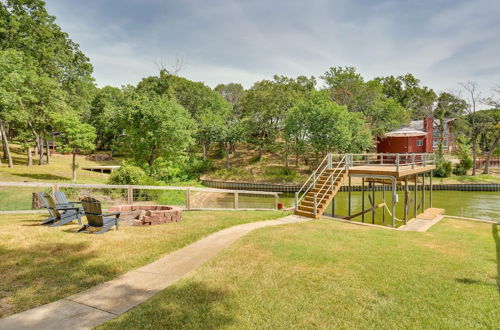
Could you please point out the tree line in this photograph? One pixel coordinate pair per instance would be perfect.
(168, 125)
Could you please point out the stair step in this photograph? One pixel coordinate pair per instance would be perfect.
(304, 214)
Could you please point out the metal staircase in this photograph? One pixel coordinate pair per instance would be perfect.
(320, 188)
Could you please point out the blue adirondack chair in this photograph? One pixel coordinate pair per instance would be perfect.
(63, 213)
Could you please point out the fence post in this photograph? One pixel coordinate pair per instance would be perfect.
(236, 201)
(276, 201)
(54, 189)
(188, 200)
(130, 195)
(412, 161)
(425, 159)
(397, 162)
(296, 201)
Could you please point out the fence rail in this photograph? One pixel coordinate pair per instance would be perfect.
(18, 195)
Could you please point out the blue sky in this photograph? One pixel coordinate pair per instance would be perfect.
(441, 42)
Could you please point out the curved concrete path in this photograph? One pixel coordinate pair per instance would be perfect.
(101, 303)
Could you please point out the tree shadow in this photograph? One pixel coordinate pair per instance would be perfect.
(496, 237)
(41, 176)
(41, 273)
(191, 305)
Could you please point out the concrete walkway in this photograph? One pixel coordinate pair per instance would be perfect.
(106, 301)
(424, 221)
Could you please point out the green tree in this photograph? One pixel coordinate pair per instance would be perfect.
(156, 127)
(406, 90)
(265, 105)
(75, 136)
(231, 92)
(104, 114)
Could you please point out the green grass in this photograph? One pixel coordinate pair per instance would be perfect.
(40, 264)
(58, 170)
(325, 274)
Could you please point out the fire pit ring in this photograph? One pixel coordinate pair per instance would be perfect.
(148, 215)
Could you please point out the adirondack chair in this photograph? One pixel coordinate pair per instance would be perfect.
(53, 216)
(63, 200)
(64, 213)
(97, 219)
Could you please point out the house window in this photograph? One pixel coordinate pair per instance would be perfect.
(435, 133)
(420, 143)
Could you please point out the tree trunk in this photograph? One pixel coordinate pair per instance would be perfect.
(73, 167)
(228, 159)
(47, 156)
(297, 158)
(286, 160)
(490, 153)
(30, 158)
(4, 147)
(40, 150)
(474, 154)
(6, 142)
(204, 150)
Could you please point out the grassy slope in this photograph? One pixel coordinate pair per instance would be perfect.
(325, 274)
(271, 169)
(59, 169)
(40, 264)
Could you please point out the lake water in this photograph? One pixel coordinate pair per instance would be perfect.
(476, 204)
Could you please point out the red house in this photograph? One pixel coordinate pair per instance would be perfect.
(420, 136)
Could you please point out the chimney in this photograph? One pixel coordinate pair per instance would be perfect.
(428, 124)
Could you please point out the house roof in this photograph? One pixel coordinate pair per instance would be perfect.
(416, 128)
(406, 131)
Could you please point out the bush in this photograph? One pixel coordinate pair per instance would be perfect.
(129, 175)
(443, 169)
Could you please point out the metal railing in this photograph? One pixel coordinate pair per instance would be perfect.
(399, 160)
(130, 194)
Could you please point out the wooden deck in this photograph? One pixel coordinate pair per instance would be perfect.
(404, 170)
(102, 169)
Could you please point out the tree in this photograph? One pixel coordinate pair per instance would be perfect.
(448, 105)
(155, 127)
(232, 132)
(487, 123)
(104, 113)
(75, 136)
(265, 105)
(199, 100)
(406, 90)
(231, 92)
(347, 87)
(326, 126)
(473, 97)
(385, 115)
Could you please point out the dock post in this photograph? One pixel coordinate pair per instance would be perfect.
(423, 192)
(406, 199)
(349, 198)
(296, 200)
(397, 162)
(415, 197)
(363, 199)
(394, 196)
(412, 161)
(430, 190)
(373, 201)
(383, 198)
(333, 207)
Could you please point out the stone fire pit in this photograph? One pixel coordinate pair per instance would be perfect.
(147, 215)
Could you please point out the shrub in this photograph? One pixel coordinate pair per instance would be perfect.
(464, 153)
(129, 175)
(443, 169)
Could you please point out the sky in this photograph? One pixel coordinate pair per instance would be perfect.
(441, 42)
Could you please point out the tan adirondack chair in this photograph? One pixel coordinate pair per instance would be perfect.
(97, 219)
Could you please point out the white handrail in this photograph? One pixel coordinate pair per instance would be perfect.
(333, 180)
(312, 176)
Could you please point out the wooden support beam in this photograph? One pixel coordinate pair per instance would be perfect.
(349, 198)
(373, 202)
(364, 211)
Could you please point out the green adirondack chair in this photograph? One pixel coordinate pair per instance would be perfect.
(97, 219)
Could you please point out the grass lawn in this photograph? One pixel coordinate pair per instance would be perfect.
(59, 169)
(40, 264)
(326, 274)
